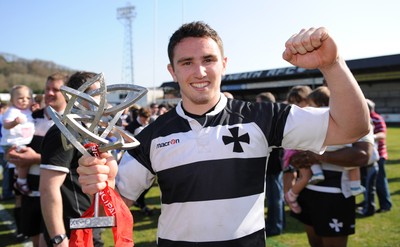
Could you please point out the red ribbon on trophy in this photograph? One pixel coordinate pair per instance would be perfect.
(113, 206)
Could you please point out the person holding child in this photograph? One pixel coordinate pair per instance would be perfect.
(327, 208)
(18, 129)
(314, 174)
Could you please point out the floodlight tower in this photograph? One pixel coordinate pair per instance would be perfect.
(126, 16)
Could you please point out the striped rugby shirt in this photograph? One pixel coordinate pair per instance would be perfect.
(211, 176)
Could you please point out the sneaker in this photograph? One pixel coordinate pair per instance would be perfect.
(23, 188)
(316, 178)
(355, 191)
(291, 201)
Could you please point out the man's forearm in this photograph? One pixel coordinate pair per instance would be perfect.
(357, 155)
(51, 201)
(52, 210)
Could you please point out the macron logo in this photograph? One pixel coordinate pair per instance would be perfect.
(171, 142)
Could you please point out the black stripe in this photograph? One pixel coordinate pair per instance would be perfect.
(332, 179)
(271, 117)
(256, 239)
(212, 180)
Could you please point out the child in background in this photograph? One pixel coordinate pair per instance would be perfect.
(18, 129)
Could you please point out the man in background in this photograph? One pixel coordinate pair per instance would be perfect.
(382, 185)
(61, 195)
(31, 218)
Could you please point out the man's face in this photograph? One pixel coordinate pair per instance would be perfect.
(198, 67)
(92, 87)
(53, 96)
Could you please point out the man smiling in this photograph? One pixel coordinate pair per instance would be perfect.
(212, 180)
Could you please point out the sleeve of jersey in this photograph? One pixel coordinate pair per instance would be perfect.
(306, 129)
(54, 157)
(133, 178)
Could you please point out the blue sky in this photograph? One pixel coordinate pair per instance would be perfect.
(86, 35)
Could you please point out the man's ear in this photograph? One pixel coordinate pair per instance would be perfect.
(172, 72)
(224, 62)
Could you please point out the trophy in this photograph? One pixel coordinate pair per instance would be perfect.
(87, 121)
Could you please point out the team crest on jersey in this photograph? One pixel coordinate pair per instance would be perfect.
(236, 139)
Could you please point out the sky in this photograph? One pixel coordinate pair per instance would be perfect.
(86, 34)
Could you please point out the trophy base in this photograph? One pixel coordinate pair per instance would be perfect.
(93, 222)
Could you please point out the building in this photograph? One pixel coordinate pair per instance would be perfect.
(378, 77)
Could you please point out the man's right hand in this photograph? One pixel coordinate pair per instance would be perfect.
(24, 156)
(304, 159)
(94, 172)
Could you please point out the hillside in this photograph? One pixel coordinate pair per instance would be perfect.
(33, 73)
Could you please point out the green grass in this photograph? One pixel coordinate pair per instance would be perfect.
(379, 230)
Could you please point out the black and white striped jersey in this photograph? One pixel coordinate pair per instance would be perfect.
(211, 175)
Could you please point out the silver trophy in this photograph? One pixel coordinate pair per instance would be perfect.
(88, 119)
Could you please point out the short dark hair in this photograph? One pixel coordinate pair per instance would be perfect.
(196, 29)
(79, 78)
(320, 96)
(144, 112)
(266, 96)
(298, 94)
